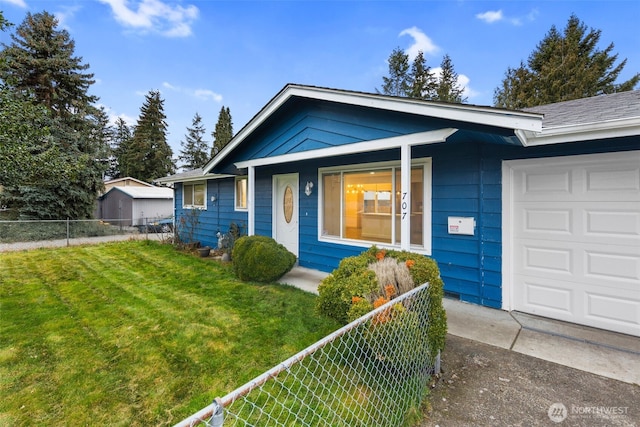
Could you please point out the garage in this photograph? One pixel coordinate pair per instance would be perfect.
(571, 239)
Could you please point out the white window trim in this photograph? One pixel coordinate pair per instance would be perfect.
(235, 194)
(190, 206)
(426, 163)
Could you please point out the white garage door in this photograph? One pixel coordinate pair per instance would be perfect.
(574, 238)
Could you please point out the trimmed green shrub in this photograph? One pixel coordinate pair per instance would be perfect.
(261, 259)
(351, 290)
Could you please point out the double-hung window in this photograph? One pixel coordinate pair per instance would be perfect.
(194, 195)
(362, 204)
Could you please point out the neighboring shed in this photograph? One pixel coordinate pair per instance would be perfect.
(131, 205)
(536, 211)
(125, 182)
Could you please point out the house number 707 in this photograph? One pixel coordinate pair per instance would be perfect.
(404, 205)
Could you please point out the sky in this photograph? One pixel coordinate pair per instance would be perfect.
(203, 55)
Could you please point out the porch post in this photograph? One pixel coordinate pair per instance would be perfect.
(405, 197)
(251, 185)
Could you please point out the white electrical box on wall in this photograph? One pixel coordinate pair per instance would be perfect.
(462, 225)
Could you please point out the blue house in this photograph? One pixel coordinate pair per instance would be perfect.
(536, 211)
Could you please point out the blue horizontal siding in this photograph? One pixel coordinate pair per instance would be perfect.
(314, 125)
(466, 181)
(217, 216)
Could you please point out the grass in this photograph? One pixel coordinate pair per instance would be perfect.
(135, 333)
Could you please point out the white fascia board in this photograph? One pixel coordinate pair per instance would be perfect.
(451, 111)
(581, 132)
(195, 178)
(459, 112)
(420, 138)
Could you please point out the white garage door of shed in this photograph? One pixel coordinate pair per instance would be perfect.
(575, 239)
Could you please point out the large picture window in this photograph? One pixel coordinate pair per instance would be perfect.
(363, 203)
(194, 195)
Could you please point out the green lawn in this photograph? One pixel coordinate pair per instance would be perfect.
(135, 333)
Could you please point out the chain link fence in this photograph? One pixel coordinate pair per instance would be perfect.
(373, 372)
(31, 234)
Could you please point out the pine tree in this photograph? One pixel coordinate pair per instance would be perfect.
(398, 83)
(516, 86)
(414, 79)
(40, 65)
(195, 150)
(149, 156)
(120, 137)
(223, 131)
(448, 88)
(41, 59)
(4, 24)
(563, 67)
(423, 81)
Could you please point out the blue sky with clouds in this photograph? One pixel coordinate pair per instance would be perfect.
(202, 55)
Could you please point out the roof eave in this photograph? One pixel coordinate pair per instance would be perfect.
(581, 132)
(530, 122)
(195, 178)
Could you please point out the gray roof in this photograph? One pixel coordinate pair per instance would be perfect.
(597, 109)
(145, 192)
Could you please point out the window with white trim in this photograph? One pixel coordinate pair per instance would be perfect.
(362, 203)
(241, 193)
(194, 195)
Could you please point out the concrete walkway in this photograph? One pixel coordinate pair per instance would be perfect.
(604, 353)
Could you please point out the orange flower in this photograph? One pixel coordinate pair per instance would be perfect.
(355, 300)
(380, 255)
(410, 263)
(390, 291)
(380, 302)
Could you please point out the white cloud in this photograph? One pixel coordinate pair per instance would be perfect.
(421, 42)
(130, 121)
(207, 94)
(66, 15)
(491, 16)
(19, 3)
(203, 94)
(154, 16)
(496, 16)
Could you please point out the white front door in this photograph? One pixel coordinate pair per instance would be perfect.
(285, 211)
(575, 239)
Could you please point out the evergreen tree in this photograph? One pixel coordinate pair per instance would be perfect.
(563, 67)
(41, 59)
(101, 138)
(4, 24)
(448, 88)
(40, 68)
(223, 131)
(516, 86)
(148, 156)
(195, 150)
(398, 83)
(416, 80)
(120, 138)
(423, 81)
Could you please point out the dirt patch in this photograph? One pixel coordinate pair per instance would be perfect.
(483, 385)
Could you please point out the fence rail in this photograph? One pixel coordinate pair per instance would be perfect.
(372, 372)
